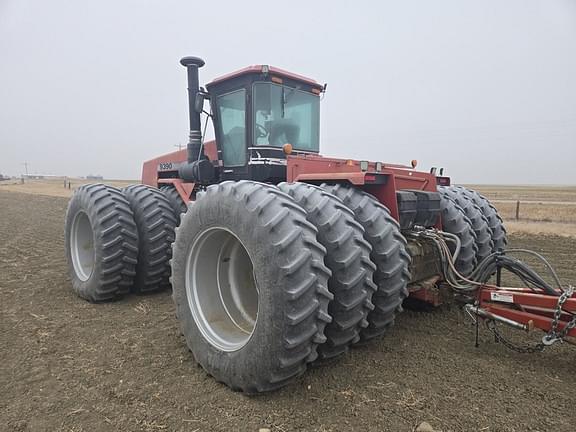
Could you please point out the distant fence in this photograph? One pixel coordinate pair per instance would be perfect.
(534, 211)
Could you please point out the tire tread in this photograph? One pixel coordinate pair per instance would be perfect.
(389, 256)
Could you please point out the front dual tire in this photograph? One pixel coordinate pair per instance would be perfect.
(348, 257)
(250, 285)
(269, 279)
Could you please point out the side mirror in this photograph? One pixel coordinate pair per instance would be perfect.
(199, 103)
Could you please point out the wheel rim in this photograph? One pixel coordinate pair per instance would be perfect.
(221, 289)
(82, 246)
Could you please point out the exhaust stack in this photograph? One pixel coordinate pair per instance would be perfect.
(192, 64)
(198, 169)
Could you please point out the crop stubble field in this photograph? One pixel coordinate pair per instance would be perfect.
(69, 365)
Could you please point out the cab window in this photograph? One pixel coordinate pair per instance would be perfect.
(232, 114)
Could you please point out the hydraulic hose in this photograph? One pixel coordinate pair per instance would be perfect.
(488, 266)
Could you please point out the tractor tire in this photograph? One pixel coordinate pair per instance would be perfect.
(499, 237)
(348, 257)
(250, 285)
(479, 222)
(175, 200)
(455, 221)
(101, 243)
(388, 253)
(155, 222)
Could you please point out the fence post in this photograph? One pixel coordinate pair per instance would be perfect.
(517, 209)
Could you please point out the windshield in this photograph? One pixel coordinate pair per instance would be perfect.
(286, 115)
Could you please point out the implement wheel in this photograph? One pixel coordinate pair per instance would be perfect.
(250, 285)
(388, 253)
(101, 243)
(348, 257)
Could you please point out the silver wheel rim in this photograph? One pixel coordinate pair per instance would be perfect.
(221, 289)
(82, 246)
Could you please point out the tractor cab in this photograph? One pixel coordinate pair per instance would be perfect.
(260, 114)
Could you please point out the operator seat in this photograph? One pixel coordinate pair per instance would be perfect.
(282, 132)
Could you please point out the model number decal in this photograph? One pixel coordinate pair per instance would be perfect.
(500, 297)
(166, 166)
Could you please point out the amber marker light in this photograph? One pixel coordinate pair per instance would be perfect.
(413, 162)
(287, 148)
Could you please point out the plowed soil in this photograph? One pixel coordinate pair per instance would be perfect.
(69, 365)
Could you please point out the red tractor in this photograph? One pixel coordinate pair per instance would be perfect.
(278, 256)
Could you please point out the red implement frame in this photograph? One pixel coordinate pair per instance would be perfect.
(534, 309)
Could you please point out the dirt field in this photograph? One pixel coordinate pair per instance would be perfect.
(72, 366)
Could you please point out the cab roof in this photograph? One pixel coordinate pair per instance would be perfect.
(270, 70)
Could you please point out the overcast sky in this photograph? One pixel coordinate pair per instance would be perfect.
(486, 89)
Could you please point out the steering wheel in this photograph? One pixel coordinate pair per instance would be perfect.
(261, 131)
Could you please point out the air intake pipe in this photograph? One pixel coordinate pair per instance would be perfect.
(198, 169)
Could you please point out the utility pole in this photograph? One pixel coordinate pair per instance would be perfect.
(26, 167)
(179, 146)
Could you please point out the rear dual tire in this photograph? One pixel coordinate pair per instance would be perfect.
(495, 223)
(455, 221)
(478, 221)
(471, 217)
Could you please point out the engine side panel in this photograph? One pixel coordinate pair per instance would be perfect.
(164, 169)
